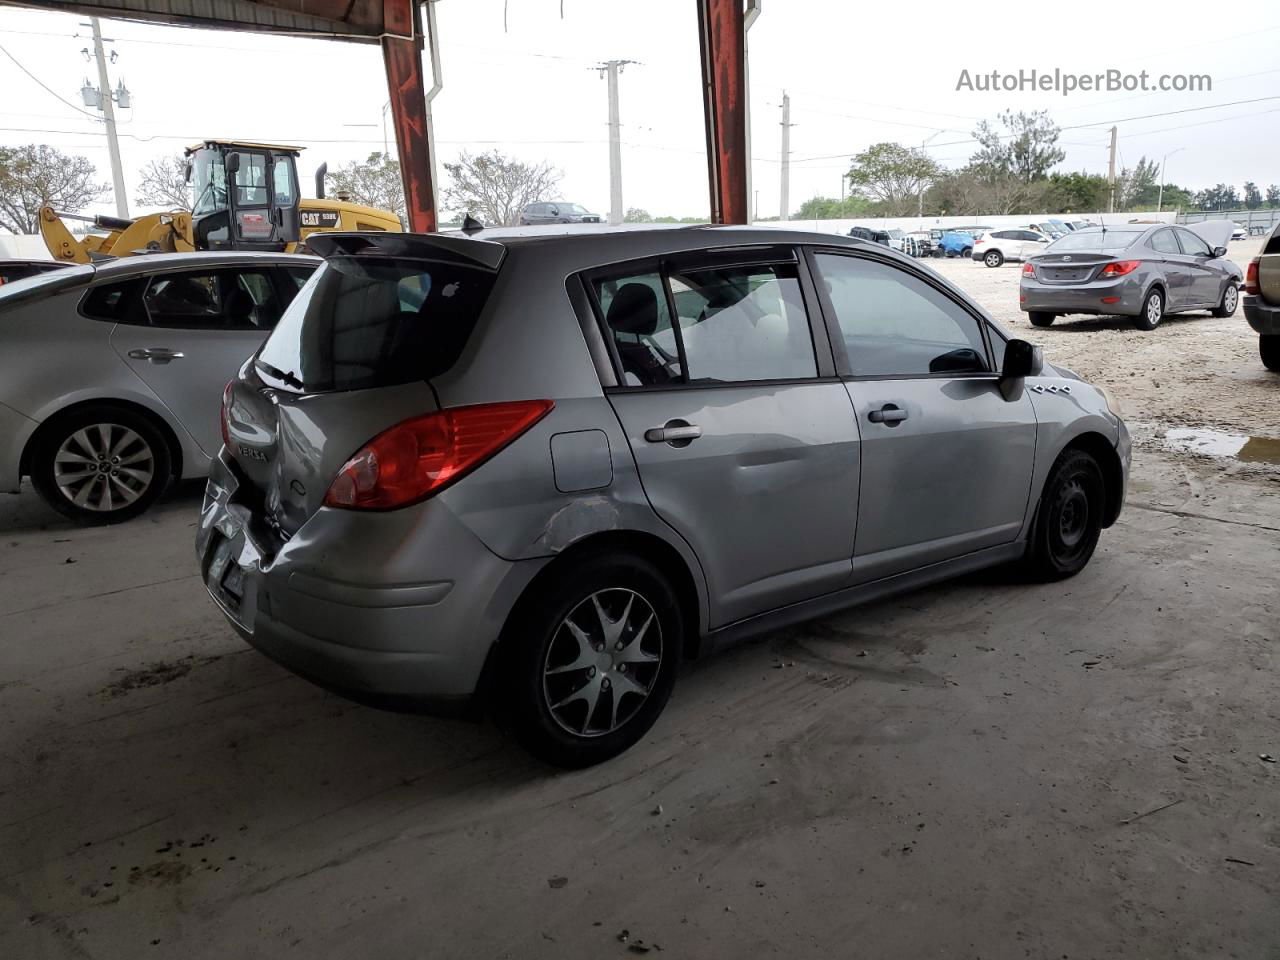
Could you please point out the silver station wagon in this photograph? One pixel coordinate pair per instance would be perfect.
(533, 470)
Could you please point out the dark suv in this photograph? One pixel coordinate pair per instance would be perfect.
(557, 211)
(1262, 300)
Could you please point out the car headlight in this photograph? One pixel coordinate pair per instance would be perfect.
(1112, 403)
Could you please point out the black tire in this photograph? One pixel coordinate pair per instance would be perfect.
(1039, 319)
(1152, 310)
(536, 667)
(1069, 517)
(1269, 350)
(967, 252)
(1230, 300)
(993, 258)
(132, 485)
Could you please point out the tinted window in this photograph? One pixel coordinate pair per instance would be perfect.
(282, 183)
(120, 302)
(743, 323)
(221, 299)
(1165, 242)
(1003, 235)
(299, 275)
(636, 317)
(1030, 235)
(251, 180)
(896, 325)
(1191, 244)
(354, 325)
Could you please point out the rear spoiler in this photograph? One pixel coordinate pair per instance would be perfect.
(486, 254)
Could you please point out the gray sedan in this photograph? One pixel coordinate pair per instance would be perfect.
(1136, 270)
(534, 472)
(110, 374)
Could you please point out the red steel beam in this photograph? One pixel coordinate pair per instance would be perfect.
(720, 29)
(402, 55)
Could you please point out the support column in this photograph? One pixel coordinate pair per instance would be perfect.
(720, 28)
(402, 56)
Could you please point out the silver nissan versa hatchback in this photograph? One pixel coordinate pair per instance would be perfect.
(533, 470)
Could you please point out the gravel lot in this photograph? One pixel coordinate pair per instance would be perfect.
(1192, 370)
(986, 769)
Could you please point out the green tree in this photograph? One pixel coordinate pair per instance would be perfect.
(375, 183)
(1273, 195)
(1177, 198)
(1252, 195)
(1138, 188)
(1218, 197)
(893, 176)
(494, 188)
(162, 183)
(828, 208)
(1026, 149)
(38, 176)
(636, 215)
(1079, 192)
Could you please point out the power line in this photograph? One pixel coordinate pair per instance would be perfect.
(46, 88)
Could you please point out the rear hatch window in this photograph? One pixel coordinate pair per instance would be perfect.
(365, 322)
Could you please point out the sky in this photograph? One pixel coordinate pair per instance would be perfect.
(857, 73)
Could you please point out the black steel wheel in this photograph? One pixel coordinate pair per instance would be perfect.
(1069, 518)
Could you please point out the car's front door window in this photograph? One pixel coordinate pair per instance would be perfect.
(896, 325)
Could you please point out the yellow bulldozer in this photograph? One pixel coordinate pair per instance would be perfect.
(246, 198)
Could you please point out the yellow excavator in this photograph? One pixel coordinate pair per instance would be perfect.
(246, 198)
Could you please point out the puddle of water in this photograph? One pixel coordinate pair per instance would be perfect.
(1215, 443)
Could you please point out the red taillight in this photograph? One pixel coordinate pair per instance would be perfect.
(226, 415)
(1119, 268)
(1251, 277)
(419, 457)
(1110, 299)
(1028, 269)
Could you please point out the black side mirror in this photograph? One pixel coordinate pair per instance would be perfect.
(1219, 252)
(1021, 360)
(186, 172)
(232, 164)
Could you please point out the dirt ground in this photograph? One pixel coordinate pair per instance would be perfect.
(985, 769)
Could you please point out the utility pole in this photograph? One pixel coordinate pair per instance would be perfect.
(784, 202)
(1111, 174)
(109, 115)
(611, 69)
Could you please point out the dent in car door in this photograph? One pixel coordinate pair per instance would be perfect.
(752, 458)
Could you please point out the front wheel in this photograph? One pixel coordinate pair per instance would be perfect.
(1039, 319)
(1152, 311)
(100, 465)
(1269, 350)
(1230, 297)
(589, 663)
(993, 258)
(1069, 518)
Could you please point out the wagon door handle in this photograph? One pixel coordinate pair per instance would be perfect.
(676, 432)
(890, 414)
(156, 354)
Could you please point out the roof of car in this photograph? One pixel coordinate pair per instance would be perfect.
(157, 262)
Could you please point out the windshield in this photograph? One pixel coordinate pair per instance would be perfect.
(575, 207)
(1095, 240)
(209, 179)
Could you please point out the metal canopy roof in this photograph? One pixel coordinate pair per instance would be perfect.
(356, 20)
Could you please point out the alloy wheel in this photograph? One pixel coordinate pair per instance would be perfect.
(602, 662)
(1155, 308)
(104, 467)
(1229, 299)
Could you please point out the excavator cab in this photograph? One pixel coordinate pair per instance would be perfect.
(245, 195)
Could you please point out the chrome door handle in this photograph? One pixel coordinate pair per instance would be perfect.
(890, 413)
(156, 354)
(674, 432)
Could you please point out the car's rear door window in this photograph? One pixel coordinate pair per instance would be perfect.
(1165, 242)
(232, 299)
(894, 324)
(377, 321)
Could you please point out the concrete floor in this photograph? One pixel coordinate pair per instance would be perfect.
(944, 775)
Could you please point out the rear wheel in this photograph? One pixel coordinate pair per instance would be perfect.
(967, 252)
(1230, 297)
(100, 465)
(993, 258)
(1039, 319)
(589, 663)
(1269, 350)
(1069, 518)
(1152, 311)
